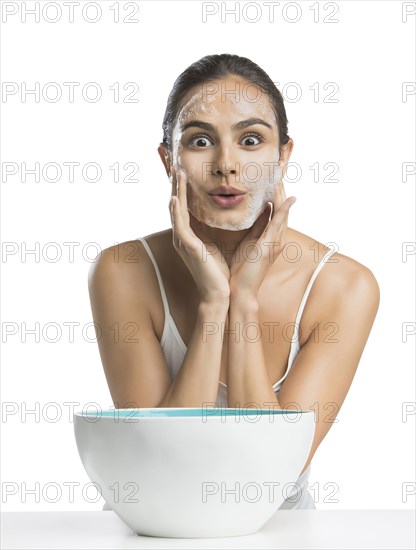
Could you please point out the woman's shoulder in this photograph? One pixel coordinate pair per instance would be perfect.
(130, 253)
(129, 262)
(340, 273)
(126, 263)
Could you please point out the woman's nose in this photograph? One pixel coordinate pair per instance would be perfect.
(225, 164)
(224, 169)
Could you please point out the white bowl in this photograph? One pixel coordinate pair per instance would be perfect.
(194, 472)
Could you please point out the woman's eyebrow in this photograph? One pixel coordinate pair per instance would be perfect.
(235, 127)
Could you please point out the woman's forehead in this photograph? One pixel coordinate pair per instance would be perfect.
(223, 97)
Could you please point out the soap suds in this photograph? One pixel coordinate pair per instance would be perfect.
(259, 192)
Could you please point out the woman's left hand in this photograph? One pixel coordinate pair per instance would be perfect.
(262, 245)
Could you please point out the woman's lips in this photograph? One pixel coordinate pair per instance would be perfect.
(227, 201)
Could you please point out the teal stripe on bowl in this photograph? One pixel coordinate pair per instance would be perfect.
(185, 412)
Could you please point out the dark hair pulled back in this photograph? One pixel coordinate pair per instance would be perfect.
(215, 67)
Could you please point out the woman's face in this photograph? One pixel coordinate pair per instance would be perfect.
(226, 135)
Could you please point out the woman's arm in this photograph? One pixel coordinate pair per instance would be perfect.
(248, 382)
(196, 384)
(325, 366)
(133, 361)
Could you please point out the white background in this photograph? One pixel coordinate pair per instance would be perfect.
(369, 133)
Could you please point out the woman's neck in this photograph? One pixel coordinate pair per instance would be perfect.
(226, 241)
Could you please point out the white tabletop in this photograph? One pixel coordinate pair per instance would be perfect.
(320, 529)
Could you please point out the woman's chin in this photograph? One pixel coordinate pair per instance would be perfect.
(237, 225)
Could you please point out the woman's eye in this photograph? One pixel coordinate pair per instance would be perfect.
(200, 141)
(251, 138)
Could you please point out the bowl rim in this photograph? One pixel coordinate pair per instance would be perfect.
(163, 412)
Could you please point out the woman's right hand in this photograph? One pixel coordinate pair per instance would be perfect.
(206, 265)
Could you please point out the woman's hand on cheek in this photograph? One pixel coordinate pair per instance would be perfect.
(207, 267)
(212, 248)
(259, 249)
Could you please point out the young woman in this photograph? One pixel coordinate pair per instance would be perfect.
(226, 307)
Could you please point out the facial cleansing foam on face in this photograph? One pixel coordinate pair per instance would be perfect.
(243, 215)
(256, 178)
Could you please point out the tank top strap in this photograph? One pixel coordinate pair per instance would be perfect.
(308, 288)
(159, 278)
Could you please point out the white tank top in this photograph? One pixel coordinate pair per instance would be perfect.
(174, 350)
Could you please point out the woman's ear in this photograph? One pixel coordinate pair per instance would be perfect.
(165, 157)
(285, 156)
